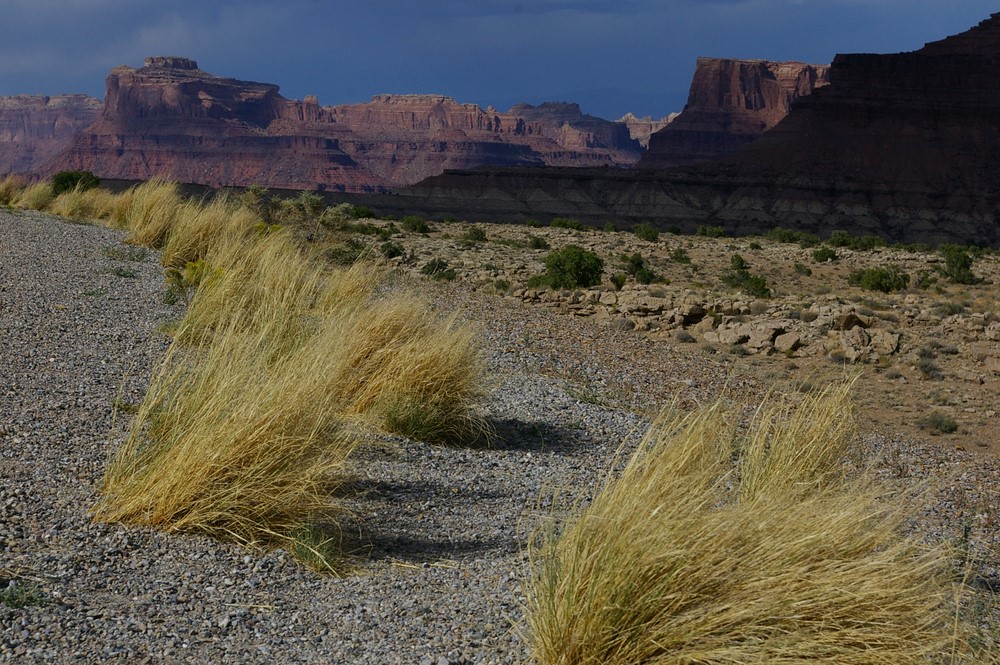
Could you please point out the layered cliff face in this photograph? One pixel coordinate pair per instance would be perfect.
(730, 104)
(33, 129)
(642, 128)
(906, 146)
(171, 119)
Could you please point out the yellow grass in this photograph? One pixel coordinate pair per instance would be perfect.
(10, 189)
(94, 203)
(152, 212)
(241, 434)
(685, 559)
(35, 197)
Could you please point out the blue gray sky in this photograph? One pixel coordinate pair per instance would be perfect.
(611, 56)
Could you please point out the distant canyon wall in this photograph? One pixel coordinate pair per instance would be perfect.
(36, 128)
(906, 146)
(731, 103)
(171, 119)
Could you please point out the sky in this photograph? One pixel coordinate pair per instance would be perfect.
(610, 56)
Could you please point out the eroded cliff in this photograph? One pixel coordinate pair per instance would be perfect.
(172, 119)
(730, 104)
(34, 128)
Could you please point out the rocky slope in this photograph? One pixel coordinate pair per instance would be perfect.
(731, 103)
(35, 128)
(903, 145)
(171, 119)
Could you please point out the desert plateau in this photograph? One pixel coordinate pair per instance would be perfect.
(419, 380)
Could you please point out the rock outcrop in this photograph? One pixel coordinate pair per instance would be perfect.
(33, 129)
(171, 119)
(730, 104)
(642, 128)
(906, 146)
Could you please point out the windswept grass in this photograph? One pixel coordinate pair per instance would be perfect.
(35, 197)
(10, 189)
(278, 363)
(684, 558)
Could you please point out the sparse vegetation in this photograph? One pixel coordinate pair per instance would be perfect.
(741, 278)
(567, 223)
(824, 254)
(572, 267)
(884, 278)
(64, 181)
(936, 422)
(18, 596)
(646, 232)
(682, 558)
(957, 264)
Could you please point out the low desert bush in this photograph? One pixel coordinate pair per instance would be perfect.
(884, 278)
(572, 267)
(936, 422)
(567, 223)
(781, 557)
(646, 232)
(65, 181)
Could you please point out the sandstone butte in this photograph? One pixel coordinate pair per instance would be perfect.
(904, 145)
(171, 119)
(731, 103)
(34, 128)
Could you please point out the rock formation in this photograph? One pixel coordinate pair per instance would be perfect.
(730, 104)
(641, 128)
(33, 129)
(906, 146)
(171, 119)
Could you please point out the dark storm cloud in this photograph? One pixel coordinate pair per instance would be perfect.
(611, 56)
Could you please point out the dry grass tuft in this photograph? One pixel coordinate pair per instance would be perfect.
(94, 203)
(684, 558)
(242, 432)
(10, 189)
(152, 212)
(35, 197)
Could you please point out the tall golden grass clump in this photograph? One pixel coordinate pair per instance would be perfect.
(152, 212)
(684, 558)
(93, 203)
(10, 189)
(35, 197)
(241, 433)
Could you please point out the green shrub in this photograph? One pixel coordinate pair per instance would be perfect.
(884, 279)
(391, 250)
(474, 234)
(802, 269)
(618, 280)
(740, 278)
(610, 227)
(415, 224)
(434, 266)
(936, 422)
(567, 223)
(957, 264)
(711, 231)
(361, 212)
(17, 596)
(646, 232)
(537, 242)
(804, 239)
(65, 181)
(572, 267)
(754, 245)
(639, 268)
(680, 255)
(860, 244)
(824, 254)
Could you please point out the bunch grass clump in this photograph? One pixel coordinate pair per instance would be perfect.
(10, 189)
(35, 197)
(780, 557)
(277, 366)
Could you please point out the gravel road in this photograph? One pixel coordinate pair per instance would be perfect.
(442, 530)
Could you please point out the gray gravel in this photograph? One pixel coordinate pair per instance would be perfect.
(441, 531)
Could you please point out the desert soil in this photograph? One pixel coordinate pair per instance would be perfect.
(440, 532)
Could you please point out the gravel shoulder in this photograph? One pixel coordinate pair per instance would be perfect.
(440, 532)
